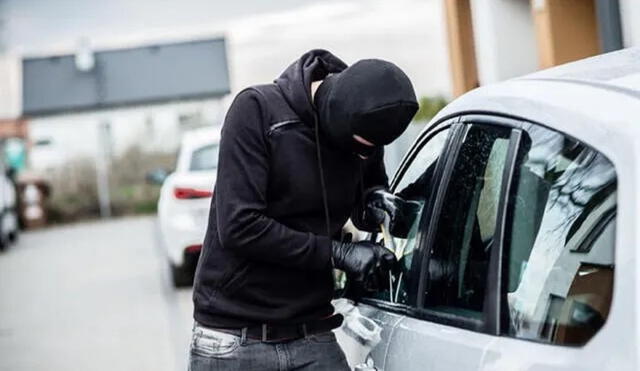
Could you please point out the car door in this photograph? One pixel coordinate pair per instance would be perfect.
(368, 326)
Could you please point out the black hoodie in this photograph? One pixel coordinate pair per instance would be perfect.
(266, 256)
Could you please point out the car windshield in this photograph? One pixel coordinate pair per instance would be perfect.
(204, 158)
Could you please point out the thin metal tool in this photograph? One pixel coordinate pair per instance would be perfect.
(390, 244)
(395, 299)
(386, 234)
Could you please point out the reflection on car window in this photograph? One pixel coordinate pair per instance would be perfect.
(205, 158)
(415, 188)
(459, 262)
(426, 156)
(561, 258)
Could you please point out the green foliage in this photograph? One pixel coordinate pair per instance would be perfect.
(74, 192)
(429, 106)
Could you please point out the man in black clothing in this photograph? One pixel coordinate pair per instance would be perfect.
(297, 158)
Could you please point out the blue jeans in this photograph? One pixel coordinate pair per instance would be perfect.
(215, 350)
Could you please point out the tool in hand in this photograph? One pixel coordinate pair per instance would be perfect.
(390, 244)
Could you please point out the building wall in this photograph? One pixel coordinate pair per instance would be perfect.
(56, 140)
(516, 37)
(630, 17)
(567, 30)
(504, 39)
(13, 128)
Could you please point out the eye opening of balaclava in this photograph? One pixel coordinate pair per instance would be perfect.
(373, 99)
(361, 149)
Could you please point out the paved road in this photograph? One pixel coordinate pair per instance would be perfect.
(91, 296)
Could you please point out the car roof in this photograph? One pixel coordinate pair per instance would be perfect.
(193, 140)
(617, 71)
(596, 100)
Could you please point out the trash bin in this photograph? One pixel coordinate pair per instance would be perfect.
(33, 193)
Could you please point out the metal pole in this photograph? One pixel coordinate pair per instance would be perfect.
(609, 25)
(102, 168)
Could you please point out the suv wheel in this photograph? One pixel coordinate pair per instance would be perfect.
(4, 239)
(181, 276)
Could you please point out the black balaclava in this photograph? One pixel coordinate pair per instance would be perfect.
(372, 98)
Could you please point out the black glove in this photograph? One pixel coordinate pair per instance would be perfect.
(361, 259)
(381, 202)
(402, 213)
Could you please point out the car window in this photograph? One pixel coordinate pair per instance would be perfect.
(414, 186)
(458, 264)
(204, 158)
(562, 237)
(423, 159)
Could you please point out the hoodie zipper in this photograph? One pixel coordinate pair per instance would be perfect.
(279, 125)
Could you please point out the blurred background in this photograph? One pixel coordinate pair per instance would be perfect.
(109, 124)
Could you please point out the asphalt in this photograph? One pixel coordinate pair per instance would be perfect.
(91, 296)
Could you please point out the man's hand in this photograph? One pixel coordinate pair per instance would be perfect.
(402, 213)
(381, 202)
(361, 259)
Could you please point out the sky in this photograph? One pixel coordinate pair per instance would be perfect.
(263, 36)
(36, 24)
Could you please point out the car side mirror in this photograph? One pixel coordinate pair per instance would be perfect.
(157, 176)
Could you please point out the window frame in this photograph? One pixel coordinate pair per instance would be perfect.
(459, 124)
(423, 139)
(492, 306)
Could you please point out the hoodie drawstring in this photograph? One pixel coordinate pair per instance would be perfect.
(361, 209)
(322, 183)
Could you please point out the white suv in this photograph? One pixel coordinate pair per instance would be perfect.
(185, 197)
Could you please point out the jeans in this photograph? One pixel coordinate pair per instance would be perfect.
(215, 350)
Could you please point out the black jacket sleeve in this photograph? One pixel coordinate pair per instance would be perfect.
(374, 176)
(240, 196)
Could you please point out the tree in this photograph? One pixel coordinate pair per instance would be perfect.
(429, 107)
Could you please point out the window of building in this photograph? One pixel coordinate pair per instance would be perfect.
(190, 120)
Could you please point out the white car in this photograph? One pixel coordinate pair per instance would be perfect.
(517, 259)
(185, 197)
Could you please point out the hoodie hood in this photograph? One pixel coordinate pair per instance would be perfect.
(295, 81)
(373, 99)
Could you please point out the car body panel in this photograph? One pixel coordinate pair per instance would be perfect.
(417, 342)
(183, 222)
